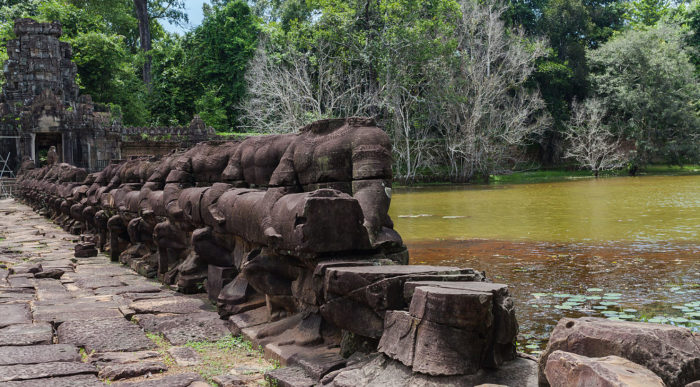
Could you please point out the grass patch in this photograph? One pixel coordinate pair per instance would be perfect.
(231, 353)
(539, 176)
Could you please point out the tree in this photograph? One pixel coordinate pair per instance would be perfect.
(219, 51)
(647, 12)
(486, 113)
(590, 142)
(148, 11)
(108, 74)
(646, 80)
(175, 86)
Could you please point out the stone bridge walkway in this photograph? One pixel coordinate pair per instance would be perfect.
(68, 321)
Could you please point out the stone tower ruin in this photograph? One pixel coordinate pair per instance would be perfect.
(40, 105)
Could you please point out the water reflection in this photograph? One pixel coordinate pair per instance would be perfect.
(647, 209)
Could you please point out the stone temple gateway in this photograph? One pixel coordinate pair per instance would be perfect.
(41, 107)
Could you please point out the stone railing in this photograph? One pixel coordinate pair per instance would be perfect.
(290, 236)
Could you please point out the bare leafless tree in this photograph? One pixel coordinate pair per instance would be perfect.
(289, 91)
(486, 111)
(590, 142)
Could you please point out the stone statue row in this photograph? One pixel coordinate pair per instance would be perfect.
(296, 225)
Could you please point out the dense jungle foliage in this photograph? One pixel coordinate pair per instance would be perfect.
(465, 88)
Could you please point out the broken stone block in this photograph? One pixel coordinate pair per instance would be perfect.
(358, 297)
(458, 308)
(670, 352)
(568, 369)
(398, 340)
(432, 348)
(290, 377)
(505, 326)
(85, 250)
(318, 365)
(50, 273)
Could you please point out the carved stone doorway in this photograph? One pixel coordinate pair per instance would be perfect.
(44, 141)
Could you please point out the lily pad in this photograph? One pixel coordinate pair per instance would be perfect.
(608, 303)
(594, 290)
(612, 296)
(630, 310)
(562, 295)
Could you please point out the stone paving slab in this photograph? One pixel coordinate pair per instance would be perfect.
(44, 370)
(45, 318)
(68, 381)
(14, 314)
(179, 329)
(38, 354)
(104, 335)
(26, 334)
(171, 305)
(178, 380)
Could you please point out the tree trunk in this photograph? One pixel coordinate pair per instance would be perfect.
(141, 7)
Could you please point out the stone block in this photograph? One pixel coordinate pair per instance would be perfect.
(568, 369)
(26, 334)
(85, 250)
(458, 308)
(14, 314)
(290, 377)
(399, 337)
(44, 370)
(670, 352)
(104, 335)
(38, 354)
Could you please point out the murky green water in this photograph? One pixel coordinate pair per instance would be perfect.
(622, 248)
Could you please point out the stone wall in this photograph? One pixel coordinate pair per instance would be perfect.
(290, 236)
(159, 141)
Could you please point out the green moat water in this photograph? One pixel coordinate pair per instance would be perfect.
(622, 248)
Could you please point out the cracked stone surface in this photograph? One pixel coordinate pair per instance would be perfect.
(44, 370)
(38, 354)
(88, 300)
(26, 334)
(104, 335)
